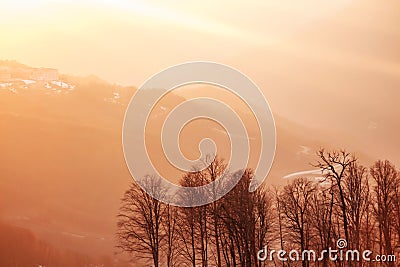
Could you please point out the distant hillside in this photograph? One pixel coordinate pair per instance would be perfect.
(62, 170)
(20, 247)
(12, 64)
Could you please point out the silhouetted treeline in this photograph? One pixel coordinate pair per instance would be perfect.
(348, 201)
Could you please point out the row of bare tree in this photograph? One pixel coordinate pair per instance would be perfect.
(348, 201)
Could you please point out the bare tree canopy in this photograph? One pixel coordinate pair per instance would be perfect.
(351, 202)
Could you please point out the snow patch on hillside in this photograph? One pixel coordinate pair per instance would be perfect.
(115, 98)
(56, 87)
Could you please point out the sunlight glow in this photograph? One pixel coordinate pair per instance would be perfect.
(164, 14)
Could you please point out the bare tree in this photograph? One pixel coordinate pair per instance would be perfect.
(215, 169)
(355, 186)
(335, 164)
(386, 186)
(139, 220)
(321, 215)
(280, 223)
(192, 219)
(295, 201)
(368, 226)
(265, 220)
(397, 205)
(169, 224)
(247, 220)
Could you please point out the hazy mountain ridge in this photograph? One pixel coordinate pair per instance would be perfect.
(29, 249)
(62, 168)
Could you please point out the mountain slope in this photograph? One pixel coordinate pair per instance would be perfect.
(62, 171)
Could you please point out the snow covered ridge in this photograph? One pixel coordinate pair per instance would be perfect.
(17, 78)
(56, 87)
(115, 99)
(63, 85)
(52, 87)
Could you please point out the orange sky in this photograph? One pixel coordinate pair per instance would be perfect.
(127, 41)
(320, 63)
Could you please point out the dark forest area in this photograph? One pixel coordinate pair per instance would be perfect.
(350, 202)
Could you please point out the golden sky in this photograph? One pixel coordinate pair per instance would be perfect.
(126, 41)
(306, 55)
